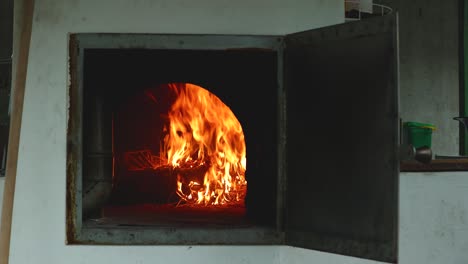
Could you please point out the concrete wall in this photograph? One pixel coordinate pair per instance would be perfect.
(38, 231)
(429, 67)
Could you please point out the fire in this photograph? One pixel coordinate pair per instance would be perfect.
(204, 141)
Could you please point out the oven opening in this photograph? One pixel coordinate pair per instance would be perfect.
(180, 138)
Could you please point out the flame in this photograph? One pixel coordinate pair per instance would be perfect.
(204, 135)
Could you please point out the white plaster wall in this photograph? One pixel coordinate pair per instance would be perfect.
(38, 231)
(434, 218)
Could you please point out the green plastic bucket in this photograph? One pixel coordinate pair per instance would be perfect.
(419, 134)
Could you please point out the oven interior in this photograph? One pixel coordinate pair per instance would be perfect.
(128, 95)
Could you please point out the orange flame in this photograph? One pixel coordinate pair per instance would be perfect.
(204, 133)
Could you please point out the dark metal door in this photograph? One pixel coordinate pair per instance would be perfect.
(342, 139)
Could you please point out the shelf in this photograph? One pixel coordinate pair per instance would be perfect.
(435, 165)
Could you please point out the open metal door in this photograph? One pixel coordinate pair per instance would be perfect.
(342, 138)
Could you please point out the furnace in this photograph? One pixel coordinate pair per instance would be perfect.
(236, 139)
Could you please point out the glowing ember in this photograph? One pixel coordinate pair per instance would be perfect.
(204, 144)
